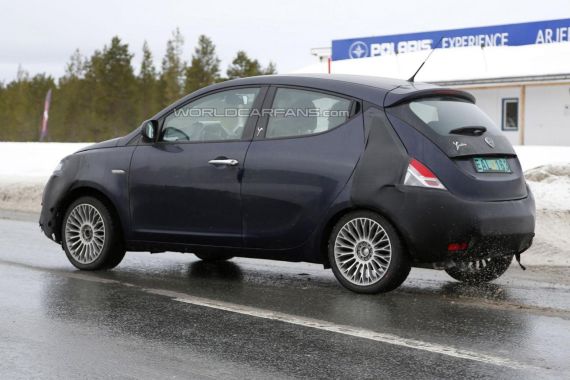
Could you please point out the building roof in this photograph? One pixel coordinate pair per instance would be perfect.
(467, 65)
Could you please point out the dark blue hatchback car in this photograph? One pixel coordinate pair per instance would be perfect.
(367, 176)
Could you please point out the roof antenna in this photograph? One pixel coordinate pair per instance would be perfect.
(424, 62)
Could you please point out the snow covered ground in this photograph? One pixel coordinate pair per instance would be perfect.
(25, 168)
(32, 162)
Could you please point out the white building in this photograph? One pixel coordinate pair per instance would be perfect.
(525, 89)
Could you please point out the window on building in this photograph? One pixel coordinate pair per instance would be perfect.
(510, 118)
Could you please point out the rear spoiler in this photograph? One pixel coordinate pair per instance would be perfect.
(402, 94)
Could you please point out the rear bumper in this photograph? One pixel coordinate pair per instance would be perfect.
(429, 220)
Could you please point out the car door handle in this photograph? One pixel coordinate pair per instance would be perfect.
(227, 161)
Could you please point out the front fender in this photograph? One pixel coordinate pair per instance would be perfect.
(101, 171)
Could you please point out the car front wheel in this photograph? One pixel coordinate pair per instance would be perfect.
(91, 237)
(480, 271)
(366, 253)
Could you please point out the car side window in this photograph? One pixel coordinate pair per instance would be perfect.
(303, 112)
(215, 117)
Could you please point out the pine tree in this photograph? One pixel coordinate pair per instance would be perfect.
(76, 66)
(21, 106)
(205, 67)
(15, 106)
(100, 97)
(72, 103)
(3, 112)
(242, 66)
(147, 86)
(110, 76)
(171, 78)
(271, 69)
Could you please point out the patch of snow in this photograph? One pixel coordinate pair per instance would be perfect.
(465, 63)
(532, 156)
(32, 162)
(551, 196)
(26, 167)
(550, 185)
(549, 173)
(552, 239)
(24, 196)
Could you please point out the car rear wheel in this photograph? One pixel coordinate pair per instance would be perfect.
(213, 257)
(366, 253)
(480, 271)
(91, 238)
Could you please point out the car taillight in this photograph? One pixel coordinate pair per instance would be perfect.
(454, 247)
(419, 175)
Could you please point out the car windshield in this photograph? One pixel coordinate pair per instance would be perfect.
(446, 114)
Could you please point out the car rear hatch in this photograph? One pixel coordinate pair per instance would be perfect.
(449, 134)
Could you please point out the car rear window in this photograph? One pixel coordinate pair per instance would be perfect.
(445, 114)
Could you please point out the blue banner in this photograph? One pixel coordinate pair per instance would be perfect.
(541, 32)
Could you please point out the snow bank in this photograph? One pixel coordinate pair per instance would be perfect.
(24, 196)
(548, 173)
(25, 168)
(532, 156)
(32, 162)
(550, 185)
(550, 245)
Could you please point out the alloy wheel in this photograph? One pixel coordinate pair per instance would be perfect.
(362, 251)
(85, 233)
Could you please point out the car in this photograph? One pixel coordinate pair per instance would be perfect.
(367, 176)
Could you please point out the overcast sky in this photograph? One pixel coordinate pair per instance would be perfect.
(41, 35)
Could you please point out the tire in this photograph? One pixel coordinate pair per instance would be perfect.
(91, 237)
(213, 257)
(365, 240)
(480, 271)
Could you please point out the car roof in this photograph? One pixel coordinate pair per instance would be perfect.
(381, 91)
(316, 79)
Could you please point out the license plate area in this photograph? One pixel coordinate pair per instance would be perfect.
(491, 165)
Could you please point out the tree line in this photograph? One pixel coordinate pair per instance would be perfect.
(103, 96)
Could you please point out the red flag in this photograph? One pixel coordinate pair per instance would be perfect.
(44, 128)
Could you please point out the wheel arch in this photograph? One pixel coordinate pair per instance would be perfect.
(333, 220)
(82, 191)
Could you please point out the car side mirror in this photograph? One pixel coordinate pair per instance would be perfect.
(149, 130)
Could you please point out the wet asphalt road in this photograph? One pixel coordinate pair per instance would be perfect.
(172, 316)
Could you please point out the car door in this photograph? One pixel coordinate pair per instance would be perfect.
(185, 188)
(303, 154)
